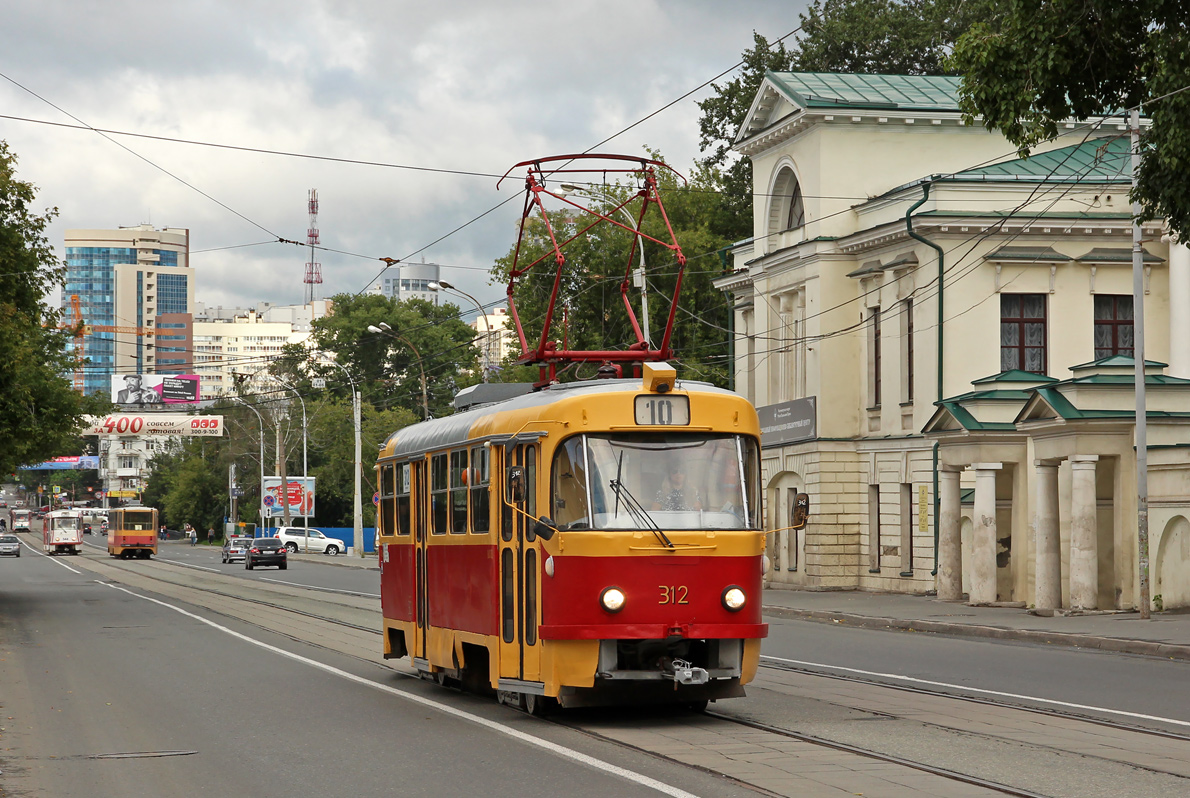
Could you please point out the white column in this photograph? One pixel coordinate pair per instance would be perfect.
(1049, 542)
(1084, 547)
(950, 541)
(1179, 309)
(983, 548)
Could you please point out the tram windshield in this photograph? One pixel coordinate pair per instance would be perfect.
(70, 522)
(649, 480)
(138, 520)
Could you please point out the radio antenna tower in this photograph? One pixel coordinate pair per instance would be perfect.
(313, 269)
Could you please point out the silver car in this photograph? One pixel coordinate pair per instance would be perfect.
(235, 549)
(10, 546)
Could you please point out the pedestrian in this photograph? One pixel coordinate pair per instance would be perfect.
(192, 534)
(210, 534)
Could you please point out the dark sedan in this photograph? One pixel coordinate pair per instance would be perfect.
(266, 551)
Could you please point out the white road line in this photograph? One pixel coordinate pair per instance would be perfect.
(48, 557)
(967, 689)
(554, 748)
(188, 565)
(326, 589)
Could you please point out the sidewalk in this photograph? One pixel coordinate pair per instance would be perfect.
(1163, 635)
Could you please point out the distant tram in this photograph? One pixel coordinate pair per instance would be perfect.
(22, 520)
(62, 532)
(132, 532)
(591, 543)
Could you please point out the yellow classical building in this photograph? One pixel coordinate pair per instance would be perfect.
(938, 337)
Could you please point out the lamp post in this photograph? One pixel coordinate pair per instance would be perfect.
(358, 511)
(305, 465)
(487, 325)
(384, 329)
(639, 275)
(259, 418)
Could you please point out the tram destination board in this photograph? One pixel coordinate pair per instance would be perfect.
(663, 410)
(150, 424)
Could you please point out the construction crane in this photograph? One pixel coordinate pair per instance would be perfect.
(82, 329)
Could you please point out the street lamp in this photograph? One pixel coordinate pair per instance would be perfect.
(487, 325)
(259, 418)
(358, 510)
(384, 329)
(639, 276)
(305, 465)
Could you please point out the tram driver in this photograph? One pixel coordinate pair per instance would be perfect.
(676, 492)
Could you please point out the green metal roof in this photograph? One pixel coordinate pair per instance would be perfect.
(826, 90)
(1030, 254)
(1015, 375)
(1094, 160)
(1116, 255)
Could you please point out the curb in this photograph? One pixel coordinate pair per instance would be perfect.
(342, 561)
(1117, 645)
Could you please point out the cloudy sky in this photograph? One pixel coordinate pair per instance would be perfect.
(465, 86)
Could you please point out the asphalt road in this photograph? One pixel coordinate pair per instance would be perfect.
(108, 693)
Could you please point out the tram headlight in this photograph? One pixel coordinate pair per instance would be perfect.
(549, 566)
(612, 599)
(765, 565)
(734, 598)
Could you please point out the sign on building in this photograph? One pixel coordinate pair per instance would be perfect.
(788, 422)
(154, 425)
(75, 463)
(141, 390)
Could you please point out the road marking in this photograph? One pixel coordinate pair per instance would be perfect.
(48, 557)
(965, 688)
(188, 565)
(554, 748)
(315, 587)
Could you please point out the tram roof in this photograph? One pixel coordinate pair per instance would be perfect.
(442, 432)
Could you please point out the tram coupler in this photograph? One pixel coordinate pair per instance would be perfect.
(686, 673)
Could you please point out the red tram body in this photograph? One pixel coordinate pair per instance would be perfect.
(548, 547)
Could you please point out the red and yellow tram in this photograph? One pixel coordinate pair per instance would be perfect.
(590, 543)
(132, 532)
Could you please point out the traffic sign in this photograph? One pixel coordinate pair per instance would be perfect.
(237, 493)
(269, 501)
(376, 498)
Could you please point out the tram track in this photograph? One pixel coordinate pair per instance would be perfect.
(652, 745)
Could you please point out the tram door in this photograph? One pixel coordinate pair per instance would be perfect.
(421, 533)
(519, 568)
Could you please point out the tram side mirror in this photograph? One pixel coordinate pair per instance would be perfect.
(799, 516)
(516, 484)
(544, 528)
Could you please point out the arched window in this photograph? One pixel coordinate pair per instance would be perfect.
(786, 209)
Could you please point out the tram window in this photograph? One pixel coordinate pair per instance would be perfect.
(508, 595)
(439, 494)
(480, 485)
(530, 596)
(752, 480)
(458, 492)
(568, 491)
(404, 521)
(530, 490)
(388, 501)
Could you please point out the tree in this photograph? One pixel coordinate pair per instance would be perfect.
(40, 413)
(1051, 61)
(862, 36)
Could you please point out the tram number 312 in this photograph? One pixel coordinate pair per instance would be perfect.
(673, 594)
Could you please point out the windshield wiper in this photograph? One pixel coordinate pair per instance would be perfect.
(637, 511)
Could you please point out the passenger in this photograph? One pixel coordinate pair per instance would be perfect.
(676, 493)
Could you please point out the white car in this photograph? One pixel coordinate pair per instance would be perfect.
(294, 538)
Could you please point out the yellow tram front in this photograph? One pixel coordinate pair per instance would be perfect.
(589, 543)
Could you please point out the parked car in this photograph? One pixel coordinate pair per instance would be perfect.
(235, 548)
(10, 546)
(266, 551)
(294, 538)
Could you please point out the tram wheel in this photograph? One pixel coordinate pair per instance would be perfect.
(539, 705)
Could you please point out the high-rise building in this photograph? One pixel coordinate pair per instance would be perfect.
(135, 289)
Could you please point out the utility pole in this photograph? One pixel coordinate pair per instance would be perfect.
(231, 492)
(1138, 355)
(283, 493)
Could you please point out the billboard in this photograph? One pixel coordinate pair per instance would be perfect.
(155, 389)
(75, 463)
(154, 424)
(788, 422)
(299, 493)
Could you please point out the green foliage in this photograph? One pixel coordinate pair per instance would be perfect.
(40, 413)
(1051, 61)
(594, 316)
(425, 339)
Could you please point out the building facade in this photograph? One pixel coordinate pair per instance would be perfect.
(135, 289)
(922, 421)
